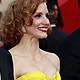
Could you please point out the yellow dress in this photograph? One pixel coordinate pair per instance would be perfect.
(37, 75)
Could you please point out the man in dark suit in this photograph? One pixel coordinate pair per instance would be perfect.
(56, 36)
(69, 54)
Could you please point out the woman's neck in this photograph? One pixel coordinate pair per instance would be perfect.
(28, 46)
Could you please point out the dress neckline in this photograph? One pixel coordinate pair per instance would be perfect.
(39, 72)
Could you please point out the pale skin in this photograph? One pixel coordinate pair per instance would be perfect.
(27, 56)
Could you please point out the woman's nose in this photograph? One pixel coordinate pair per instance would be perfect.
(45, 20)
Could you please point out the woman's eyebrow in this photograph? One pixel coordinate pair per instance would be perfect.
(38, 13)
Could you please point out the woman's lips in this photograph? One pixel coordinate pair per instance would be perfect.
(43, 29)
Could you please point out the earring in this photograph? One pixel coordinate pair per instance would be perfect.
(22, 28)
(24, 31)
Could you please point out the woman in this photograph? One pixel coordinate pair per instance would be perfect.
(24, 22)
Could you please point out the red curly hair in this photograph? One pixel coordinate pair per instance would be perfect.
(19, 12)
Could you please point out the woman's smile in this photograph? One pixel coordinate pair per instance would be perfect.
(43, 29)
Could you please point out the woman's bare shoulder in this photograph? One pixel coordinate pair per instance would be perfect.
(53, 58)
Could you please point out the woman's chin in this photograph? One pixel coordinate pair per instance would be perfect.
(44, 36)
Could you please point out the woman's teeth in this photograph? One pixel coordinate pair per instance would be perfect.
(42, 28)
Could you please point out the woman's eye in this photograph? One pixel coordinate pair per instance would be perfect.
(47, 15)
(37, 15)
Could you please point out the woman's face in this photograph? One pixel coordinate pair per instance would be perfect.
(40, 22)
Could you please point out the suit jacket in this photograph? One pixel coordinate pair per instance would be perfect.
(53, 40)
(6, 65)
(69, 53)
